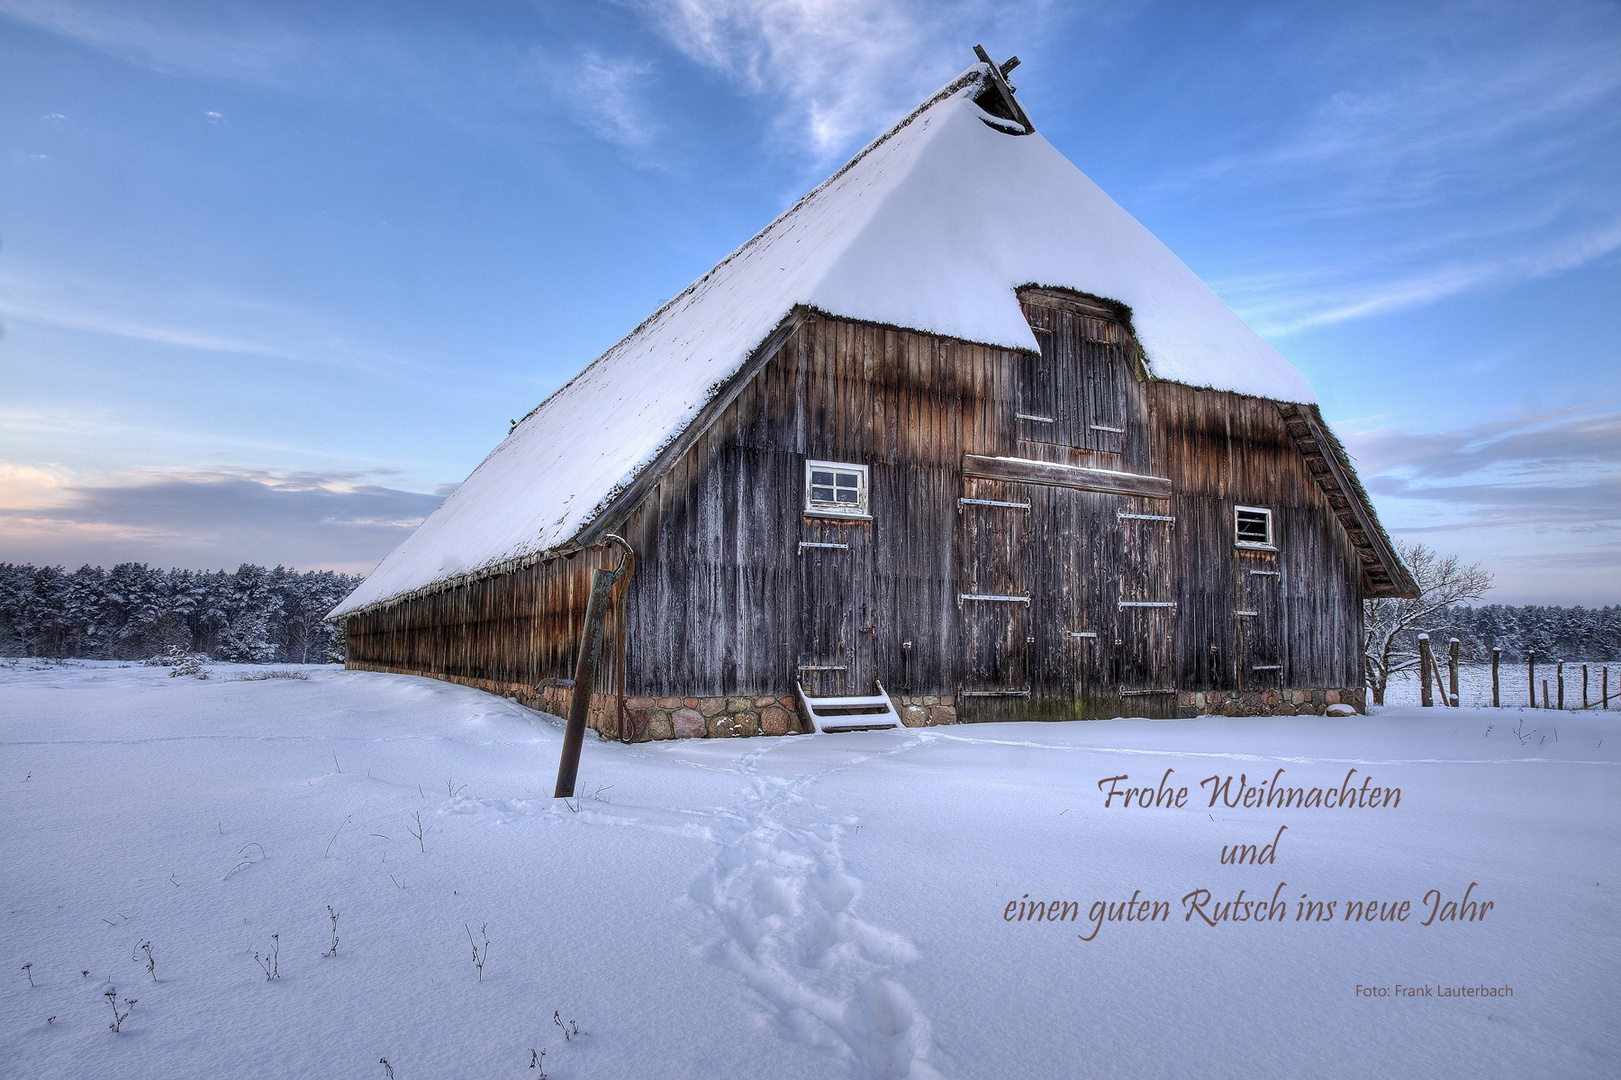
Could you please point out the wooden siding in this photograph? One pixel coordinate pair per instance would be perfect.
(518, 627)
(1225, 450)
(726, 612)
(1132, 591)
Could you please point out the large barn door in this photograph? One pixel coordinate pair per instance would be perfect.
(1146, 611)
(994, 599)
(837, 651)
(1260, 657)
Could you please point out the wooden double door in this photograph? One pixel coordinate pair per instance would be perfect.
(1065, 601)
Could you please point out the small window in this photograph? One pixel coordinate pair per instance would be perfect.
(1254, 527)
(835, 489)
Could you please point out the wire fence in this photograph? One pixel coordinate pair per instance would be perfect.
(1514, 685)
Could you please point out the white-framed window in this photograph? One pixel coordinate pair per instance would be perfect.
(1252, 526)
(835, 489)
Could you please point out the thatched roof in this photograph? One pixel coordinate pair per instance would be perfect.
(932, 227)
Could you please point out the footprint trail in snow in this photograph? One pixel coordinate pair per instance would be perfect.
(783, 900)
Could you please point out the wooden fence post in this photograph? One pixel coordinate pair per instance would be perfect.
(1559, 679)
(1531, 675)
(585, 666)
(1497, 654)
(1545, 704)
(1604, 680)
(1584, 687)
(1452, 673)
(1426, 661)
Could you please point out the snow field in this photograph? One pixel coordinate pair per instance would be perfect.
(829, 906)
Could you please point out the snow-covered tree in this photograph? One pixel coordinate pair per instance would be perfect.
(1390, 626)
(251, 606)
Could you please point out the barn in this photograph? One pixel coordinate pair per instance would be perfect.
(953, 439)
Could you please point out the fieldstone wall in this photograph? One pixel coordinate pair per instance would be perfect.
(925, 710)
(682, 717)
(1267, 702)
(723, 717)
(731, 717)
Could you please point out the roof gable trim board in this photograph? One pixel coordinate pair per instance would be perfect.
(611, 512)
(1383, 571)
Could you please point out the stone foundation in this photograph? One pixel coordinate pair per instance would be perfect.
(709, 717)
(925, 710)
(765, 714)
(1190, 703)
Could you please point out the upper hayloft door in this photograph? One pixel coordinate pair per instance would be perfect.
(837, 646)
(1073, 393)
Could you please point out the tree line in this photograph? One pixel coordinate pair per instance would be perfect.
(1556, 633)
(134, 611)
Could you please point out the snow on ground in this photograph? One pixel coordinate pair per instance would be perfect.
(828, 906)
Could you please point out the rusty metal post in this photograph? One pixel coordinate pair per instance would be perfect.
(585, 667)
(1426, 661)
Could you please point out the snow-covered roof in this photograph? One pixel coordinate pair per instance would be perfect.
(932, 227)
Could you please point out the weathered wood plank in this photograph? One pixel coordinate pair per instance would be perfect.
(1024, 471)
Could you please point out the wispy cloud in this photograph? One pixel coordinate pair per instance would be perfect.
(205, 517)
(470, 75)
(1403, 276)
(842, 68)
(1534, 498)
(246, 45)
(606, 95)
(189, 318)
(1557, 470)
(1443, 149)
(834, 70)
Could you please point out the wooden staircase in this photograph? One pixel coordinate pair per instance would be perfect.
(830, 715)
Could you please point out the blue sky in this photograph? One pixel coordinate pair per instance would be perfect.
(274, 277)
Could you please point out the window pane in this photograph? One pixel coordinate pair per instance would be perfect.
(841, 489)
(1253, 527)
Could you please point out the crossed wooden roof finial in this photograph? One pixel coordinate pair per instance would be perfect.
(999, 73)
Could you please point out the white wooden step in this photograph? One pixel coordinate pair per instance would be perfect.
(830, 715)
